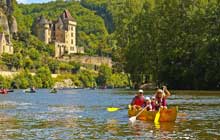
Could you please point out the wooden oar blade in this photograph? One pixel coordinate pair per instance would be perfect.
(112, 109)
(132, 119)
(157, 117)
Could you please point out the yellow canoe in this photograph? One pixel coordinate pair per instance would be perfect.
(166, 115)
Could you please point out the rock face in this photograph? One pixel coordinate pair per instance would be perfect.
(8, 23)
(13, 26)
(8, 26)
(4, 22)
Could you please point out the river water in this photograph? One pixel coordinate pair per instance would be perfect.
(81, 114)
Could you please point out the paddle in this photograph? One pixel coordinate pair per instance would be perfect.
(112, 109)
(133, 119)
(157, 117)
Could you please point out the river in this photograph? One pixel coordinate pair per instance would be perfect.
(81, 114)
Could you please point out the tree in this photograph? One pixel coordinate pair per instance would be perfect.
(104, 75)
(44, 76)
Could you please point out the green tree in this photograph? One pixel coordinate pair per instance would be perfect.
(104, 75)
(44, 76)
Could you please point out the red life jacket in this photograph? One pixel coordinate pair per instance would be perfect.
(160, 102)
(140, 101)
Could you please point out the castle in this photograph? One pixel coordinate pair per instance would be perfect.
(61, 33)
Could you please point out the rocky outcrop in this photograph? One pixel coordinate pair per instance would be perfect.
(13, 26)
(4, 22)
(8, 23)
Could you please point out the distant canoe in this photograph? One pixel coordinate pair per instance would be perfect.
(166, 115)
(29, 91)
(3, 91)
(53, 91)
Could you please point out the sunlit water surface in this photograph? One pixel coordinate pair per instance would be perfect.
(82, 114)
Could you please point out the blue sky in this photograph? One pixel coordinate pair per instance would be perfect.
(33, 1)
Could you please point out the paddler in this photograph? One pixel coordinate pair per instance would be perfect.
(160, 98)
(138, 101)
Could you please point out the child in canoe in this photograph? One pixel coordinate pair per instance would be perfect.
(148, 105)
(160, 98)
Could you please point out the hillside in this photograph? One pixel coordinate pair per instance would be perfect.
(91, 31)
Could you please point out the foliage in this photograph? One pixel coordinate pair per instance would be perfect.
(44, 76)
(173, 42)
(23, 80)
(104, 75)
(4, 82)
(118, 80)
(87, 78)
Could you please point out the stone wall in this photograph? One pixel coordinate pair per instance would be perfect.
(12, 74)
(93, 60)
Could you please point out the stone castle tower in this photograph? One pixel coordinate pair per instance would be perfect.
(61, 32)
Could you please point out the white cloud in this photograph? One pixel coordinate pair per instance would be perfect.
(22, 1)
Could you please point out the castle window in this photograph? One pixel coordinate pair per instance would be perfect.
(71, 41)
(72, 48)
(72, 28)
(71, 34)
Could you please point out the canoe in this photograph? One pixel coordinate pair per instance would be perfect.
(29, 91)
(166, 115)
(53, 91)
(3, 91)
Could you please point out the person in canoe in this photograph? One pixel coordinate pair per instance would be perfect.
(153, 103)
(53, 90)
(160, 98)
(148, 104)
(138, 101)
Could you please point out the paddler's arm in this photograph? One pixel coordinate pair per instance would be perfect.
(132, 102)
(166, 91)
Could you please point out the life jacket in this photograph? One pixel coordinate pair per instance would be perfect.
(148, 107)
(160, 102)
(140, 101)
(153, 104)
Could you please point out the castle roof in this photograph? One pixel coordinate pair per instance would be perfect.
(60, 21)
(42, 20)
(66, 15)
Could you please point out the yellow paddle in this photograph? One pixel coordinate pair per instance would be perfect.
(157, 117)
(112, 109)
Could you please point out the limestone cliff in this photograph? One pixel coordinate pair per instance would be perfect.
(8, 23)
(4, 22)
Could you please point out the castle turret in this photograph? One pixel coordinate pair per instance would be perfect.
(70, 34)
(46, 33)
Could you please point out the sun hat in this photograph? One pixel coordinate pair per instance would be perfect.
(147, 98)
(140, 91)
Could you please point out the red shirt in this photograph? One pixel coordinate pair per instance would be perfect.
(138, 100)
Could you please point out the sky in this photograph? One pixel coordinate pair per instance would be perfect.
(33, 1)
